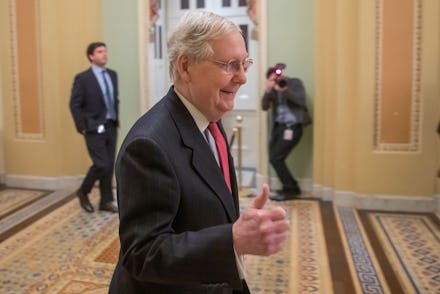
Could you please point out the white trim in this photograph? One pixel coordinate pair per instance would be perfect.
(43, 183)
(143, 39)
(405, 203)
(408, 203)
(263, 164)
(437, 207)
(304, 183)
(321, 192)
(2, 134)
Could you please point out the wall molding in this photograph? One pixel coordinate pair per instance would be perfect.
(2, 178)
(42, 183)
(383, 202)
(15, 74)
(412, 203)
(274, 183)
(414, 143)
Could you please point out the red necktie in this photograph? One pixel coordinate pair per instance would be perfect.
(222, 152)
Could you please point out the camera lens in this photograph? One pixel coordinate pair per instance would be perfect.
(281, 82)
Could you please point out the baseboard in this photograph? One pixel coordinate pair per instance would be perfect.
(43, 183)
(340, 198)
(304, 183)
(437, 207)
(378, 201)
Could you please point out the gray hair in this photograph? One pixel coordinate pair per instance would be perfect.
(193, 35)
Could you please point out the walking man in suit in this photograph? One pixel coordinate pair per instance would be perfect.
(287, 98)
(180, 225)
(94, 106)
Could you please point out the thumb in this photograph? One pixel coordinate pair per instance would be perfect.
(261, 199)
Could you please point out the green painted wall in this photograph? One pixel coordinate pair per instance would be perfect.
(121, 37)
(290, 40)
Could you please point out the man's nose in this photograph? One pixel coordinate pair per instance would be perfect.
(240, 76)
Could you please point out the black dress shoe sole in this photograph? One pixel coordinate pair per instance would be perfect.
(88, 209)
(108, 207)
(86, 206)
(282, 198)
(287, 192)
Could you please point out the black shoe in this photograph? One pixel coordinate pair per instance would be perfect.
(297, 190)
(283, 197)
(85, 202)
(109, 206)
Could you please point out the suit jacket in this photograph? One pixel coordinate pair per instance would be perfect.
(295, 99)
(176, 211)
(87, 103)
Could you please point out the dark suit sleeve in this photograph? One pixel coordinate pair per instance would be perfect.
(268, 99)
(77, 102)
(295, 93)
(152, 251)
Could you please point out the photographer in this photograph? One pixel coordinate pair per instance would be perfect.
(286, 96)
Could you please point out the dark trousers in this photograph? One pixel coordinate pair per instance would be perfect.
(245, 289)
(102, 150)
(279, 149)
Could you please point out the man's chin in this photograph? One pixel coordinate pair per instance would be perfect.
(229, 106)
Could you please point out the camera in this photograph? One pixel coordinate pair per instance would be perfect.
(280, 80)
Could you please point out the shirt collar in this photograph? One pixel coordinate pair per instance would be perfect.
(200, 120)
(97, 69)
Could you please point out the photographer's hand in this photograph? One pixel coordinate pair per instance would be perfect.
(270, 83)
(280, 89)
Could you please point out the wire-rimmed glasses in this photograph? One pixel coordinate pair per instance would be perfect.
(233, 66)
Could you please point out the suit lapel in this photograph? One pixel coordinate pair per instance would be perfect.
(93, 78)
(202, 159)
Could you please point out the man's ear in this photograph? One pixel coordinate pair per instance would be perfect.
(182, 67)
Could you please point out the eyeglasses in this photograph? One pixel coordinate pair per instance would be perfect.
(233, 66)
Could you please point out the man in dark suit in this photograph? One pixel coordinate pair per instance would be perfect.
(287, 98)
(180, 225)
(94, 106)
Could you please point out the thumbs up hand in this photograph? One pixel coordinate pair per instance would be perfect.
(260, 231)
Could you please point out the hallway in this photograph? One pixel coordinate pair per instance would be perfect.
(62, 249)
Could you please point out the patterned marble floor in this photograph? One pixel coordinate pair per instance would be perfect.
(13, 199)
(330, 250)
